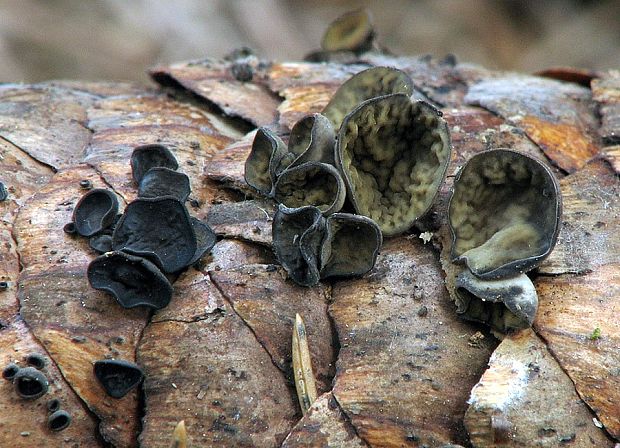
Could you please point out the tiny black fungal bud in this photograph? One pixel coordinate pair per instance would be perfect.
(70, 228)
(59, 420)
(53, 405)
(9, 372)
(4, 285)
(86, 184)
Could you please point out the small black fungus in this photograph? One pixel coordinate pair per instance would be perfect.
(132, 280)
(242, 71)
(3, 192)
(9, 372)
(101, 243)
(70, 228)
(59, 420)
(145, 157)
(30, 383)
(36, 360)
(158, 182)
(4, 285)
(157, 228)
(86, 184)
(95, 211)
(117, 377)
(53, 405)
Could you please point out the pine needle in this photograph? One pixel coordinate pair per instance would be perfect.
(179, 436)
(302, 366)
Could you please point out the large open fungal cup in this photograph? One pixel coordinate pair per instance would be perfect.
(504, 213)
(95, 211)
(393, 153)
(371, 83)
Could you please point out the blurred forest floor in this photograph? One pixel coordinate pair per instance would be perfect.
(120, 39)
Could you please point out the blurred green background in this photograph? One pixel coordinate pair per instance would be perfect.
(120, 39)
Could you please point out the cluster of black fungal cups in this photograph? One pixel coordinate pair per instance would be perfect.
(31, 384)
(387, 155)
(153, 240)
(373, 145)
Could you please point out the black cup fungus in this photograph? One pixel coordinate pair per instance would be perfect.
(117, 377)
(132, 280)
(205, 239)
(9, 372)
(69, 228)
(101, 243)
(145, 157)
(30, 383)
(157, 228)
(86, 184)
(159, 181)
(36, 360)
(53, 405)
(59, 420)
(4, 285)
(3, 192)
(95, 211)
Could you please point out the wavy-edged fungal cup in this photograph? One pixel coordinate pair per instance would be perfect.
(160, 181)
(504, 213)
(371, 83)
(145, 157)
(264, 160)
(393, 153)
(352, 31)
(133, 281)
(95, 211)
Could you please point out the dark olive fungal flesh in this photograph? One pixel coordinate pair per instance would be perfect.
(30, 383)
(133, 281)
(101, 243)
(53, 405)
(352, 31)
(59, 420)
(393, 154)
(3, 192)
(504, 213)
(159, 228)
(205, 239)
(117, 377)
(95, 211)
(9, 372)
(145, 157)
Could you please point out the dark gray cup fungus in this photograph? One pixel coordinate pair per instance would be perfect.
(312, 183)
(69, 228)
(504, 214)
(30, 383)
(133, 281)
(205, 239)
(117, 377)
(8, 373)
(312, 139)
(36, 360)
(263, 161)
(393, 153)
(3, 192)
(158, 182)
(352, 31)
(371, 83)
(157, 228)
(505, 304)
(53, 405)
(297, 237)
(145, 157)
(101, 243)
(59, 420)
(95, 211)
(351, 245)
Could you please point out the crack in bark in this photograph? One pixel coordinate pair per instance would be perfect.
(30, 156)
(554, 356)
(348, 421)
(232, 306)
